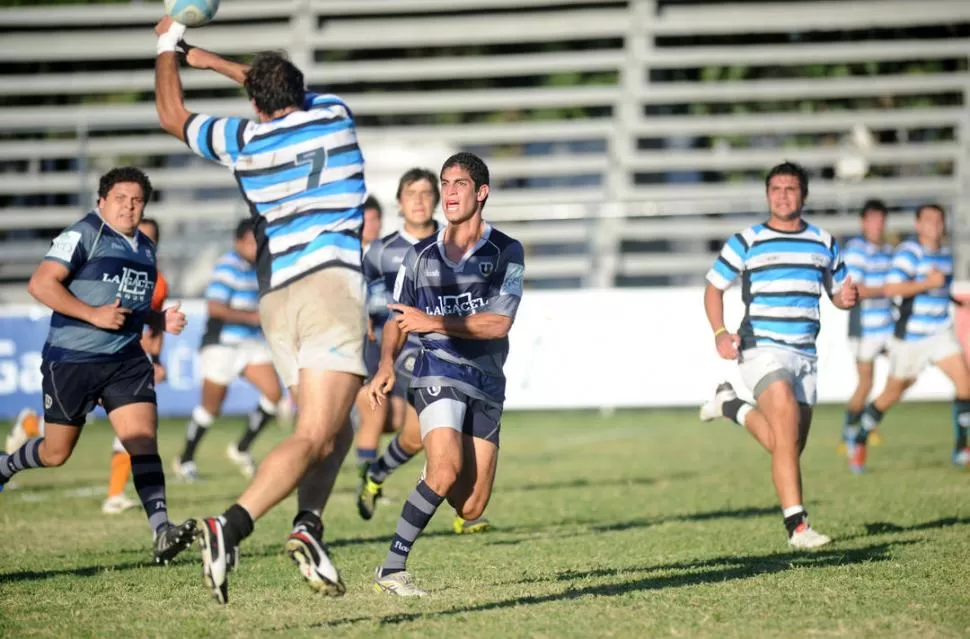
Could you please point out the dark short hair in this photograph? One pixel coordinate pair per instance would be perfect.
(790, 168)
(246, 225)
(124, 174)
(274, 83)
(416, 175)
(874, 205)
(373, 203)
(930, 205)
(475, 166)
(152, 222)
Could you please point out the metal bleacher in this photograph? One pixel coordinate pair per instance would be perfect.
(625, 138)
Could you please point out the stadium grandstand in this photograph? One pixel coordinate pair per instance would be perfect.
(626, 138)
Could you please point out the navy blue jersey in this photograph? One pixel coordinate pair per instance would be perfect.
(303, 177)
(104, 265)
(488, 278)
(382, 261)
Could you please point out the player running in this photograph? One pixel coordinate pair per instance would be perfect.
(417, 198)
(458, 291)
(921, 275)
(97, 278)
(784, 265)
(232, 346)
(301, 171)
(867, 259)
(29, 424)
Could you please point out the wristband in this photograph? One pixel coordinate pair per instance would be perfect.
(168, 41)
(719, 331)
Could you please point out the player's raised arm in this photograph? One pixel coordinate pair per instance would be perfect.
(172, 113)
(199, 58)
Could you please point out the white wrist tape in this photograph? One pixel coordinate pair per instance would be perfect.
(170, 39)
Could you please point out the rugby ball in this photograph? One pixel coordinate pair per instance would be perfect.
(191, 13)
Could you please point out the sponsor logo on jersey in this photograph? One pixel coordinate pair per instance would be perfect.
(463, 304)
(132, 284)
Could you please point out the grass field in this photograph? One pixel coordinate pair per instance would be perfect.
(641, 524)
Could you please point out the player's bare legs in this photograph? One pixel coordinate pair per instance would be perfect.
(863, 387)
(777, 403)
(470, 494)
(305, 543)
(58, 444)
(263, 377)
(321, 413)
(370, 427)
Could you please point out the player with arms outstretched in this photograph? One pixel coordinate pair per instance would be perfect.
(97, 278)
(301, 171)
(459, 291)
(784, 265)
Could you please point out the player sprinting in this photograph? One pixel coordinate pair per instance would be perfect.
(97, 278)
(232, 346)
(29, 424)
(458, 291)
(784, 265)
(417, 197)
(867, 258)
(300, 169)
(920, 276)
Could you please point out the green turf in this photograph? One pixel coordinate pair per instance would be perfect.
(640, 524)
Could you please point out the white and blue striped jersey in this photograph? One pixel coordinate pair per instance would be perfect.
(233, 283)
(783, 274)
(927, 313)
(303, 178)
(868, 264)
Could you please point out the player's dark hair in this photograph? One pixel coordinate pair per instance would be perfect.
(874, 205)
(373, 203)
(416, 175)
(246, 225)
(152, 222)
(473, 164)
(930, 205)
(125, 174)
(790, 168)
(274, 83)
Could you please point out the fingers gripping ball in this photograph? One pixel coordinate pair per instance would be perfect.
(192, 13)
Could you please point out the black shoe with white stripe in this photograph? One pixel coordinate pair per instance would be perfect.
(305, 547)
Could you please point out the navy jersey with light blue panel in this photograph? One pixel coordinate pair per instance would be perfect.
(233, 283)
(303, 178)
(868, 264)
(104, 266)
(488, 278)
(783, 275)
(927, 313)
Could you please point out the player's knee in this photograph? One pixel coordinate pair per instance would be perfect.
(441, 477)
(54, 456)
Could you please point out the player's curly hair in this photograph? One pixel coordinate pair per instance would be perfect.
(246, 225)
(476, 167)
(416, 174)
(124, 174)
(790, 168)
(274, 83)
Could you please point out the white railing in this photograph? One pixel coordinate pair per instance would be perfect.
(635, 126)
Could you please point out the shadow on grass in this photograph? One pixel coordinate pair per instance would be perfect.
(886, 528)
(84, 571)
(687, 573)
(592, 482)
(641, 522)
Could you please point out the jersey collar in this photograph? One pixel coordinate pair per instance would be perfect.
(457, 266)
